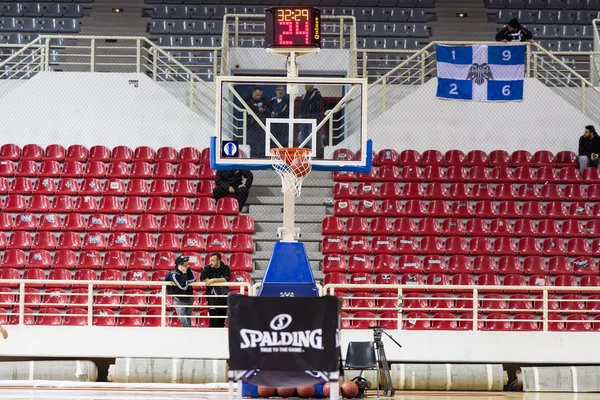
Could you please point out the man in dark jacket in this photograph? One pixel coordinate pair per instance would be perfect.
(255, 134)
(589, 149)
(182, 276)
(236, 182)
(311, 107)
(280, 108)
(513, 32)
(216, 272)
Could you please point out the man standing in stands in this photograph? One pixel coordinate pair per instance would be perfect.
(182, 276)
(280, 108)
(236, 182)
(589, 148)
(216, 272)
(513, 32)
(311, 107)
(255, 133)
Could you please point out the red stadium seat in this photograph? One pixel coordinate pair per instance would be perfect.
(529, 191)
(56, 296)
(344, 208)
(217, 242)
(159, 205)
(367, 190)
(160, 187)
(34, 274)
(90, 259)
(543, 158)
(25, 222)
(456, 245)
(463, 209)
(189, 154)
(433, 157)
(130, 317)
(378, 226)
(533, 210)
(566, 281)
(407, 245)
(205, 188)
(332, 225)
(591, 175)
(6, 222)
(140, 260)
(333, 245)
(593, 191)
(521, 158)
(368, 208)
(335, 278)
(38, 258)
(479, 174)
(7, 169)
(439, 208)
(578, 323)
(417, 321)
(172, 223)
(388, 157)
(356, 226)
(415, 301)
(585, 266)
(44, 241)
(573, 228)
(123, 223)
(86, 204)
(32, 152)
(415, 208)
(143, 241)
(525, 175)
(14, 258)
(506, 191)
(98, 223)
(186, 170)
(453, 227)
(390, 190)
(411, 174)
(507, 246)
(26, 168)
(480, 246)
(2, 240)
(477, 158)
(162, 170)
(525, 227)
(166, 154)
(429, 227)
(93, 241)
(19, 240)
(344, 176)
(529, 246)
(477, 227)
(509, 209)
(578, 247)
(196, 223)
(434, 173)
(67, 186)
(107, 298)
(204, 206)
(168, 242)
(556, 210)
(74, 222)
(547, 175)
(441, 301)
(384, 263)
(483, 191)
(413, 190)
(409, 263)
(405, 226)
(514, 280)
(10, 152)
(363, 320)
(569, 175)
(114, 187)
(334, 263)
(242, 243)
(455, 157)
(140, 170)
(15, 203)
(49, 222)
(117, 169)
(432, 245)
(90, 186)
(21, 185)
(99, 153)
(344, 190)
(486, 209)
(44, 186)
(104, 317)
(387, 173)
(497, 322)
(77, 152)
(241, 262)
(499, 158)
(580, 210)
(164, 260)
(390, 173)
(437, 280)
(436, 191)
(228, 206)
(560, 265)
(118, 241)
(549, 228)
(357, 245)
(360, 279)
(121, 153)
(493, 302)
(410, 157)
(575, 192)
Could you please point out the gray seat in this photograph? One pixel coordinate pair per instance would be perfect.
(72, 11)
(536, 4)
(381, 29)
(546, 17)
(426, 3)
(506, 15)
(527, 17)
(32, 10)
(587, 32)
(555, 5)
(180, 12)
(29, 25)
(364, 30)
(8, 25)
(380, 14)
(411, 44)
(15, 38)
(160, 27)
(13, 10)
(199, 12)
(592, 4)
(179, 27)
(494, 4)
(69, 26)
(566, 17)
(536, 31)
(399, 15)
(48, 25)
(161, 12)
(218, 12)
(368, 43)
(586, 17)
(199, 28)
(388, 3)
(407, 3)
(419, 31)
(550, 32)
(516, 4)
(3, 40)
(573, 4)
(418, 16)
(400, 30)
(565, 45)
(586, 45)
(363, 14)
(362, 356)
(168, 41)
(571, 32)
(53, 10)
(215, 27)
(330, 43)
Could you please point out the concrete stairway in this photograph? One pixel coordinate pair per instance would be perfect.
(266, 207)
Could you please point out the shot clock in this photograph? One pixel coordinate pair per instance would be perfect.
(293, 27)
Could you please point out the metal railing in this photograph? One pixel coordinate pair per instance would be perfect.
(95, 301)
(545, 307)
(595, 68)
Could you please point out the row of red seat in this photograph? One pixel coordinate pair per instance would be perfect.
(459, 264)
(126, 223)
(77, 152)
(443, 281)
(473, 158)
(462, 191)
(466, 209)
(108, 275)
(448, 321)
(40, 203)
(429, 226)
(240, 242)
(111, 187)
(525, 246)
(101, 317)
(479, 174)
(115, 259)
(97, 169)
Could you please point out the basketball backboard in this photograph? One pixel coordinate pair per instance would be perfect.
(257, 114)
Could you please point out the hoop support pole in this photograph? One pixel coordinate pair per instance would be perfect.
(289, 233)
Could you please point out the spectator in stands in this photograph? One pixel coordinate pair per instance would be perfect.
(216, 272)
(513, 32)
(3, 332)
(182, 276)
(255, 133)
(236, 182)
(311, 107)
(280, 108)
(589, 148)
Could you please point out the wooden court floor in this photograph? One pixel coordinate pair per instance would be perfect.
(80, 394)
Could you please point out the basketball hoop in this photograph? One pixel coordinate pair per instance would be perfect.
(293, 165)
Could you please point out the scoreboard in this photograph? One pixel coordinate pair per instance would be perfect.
(293, 27)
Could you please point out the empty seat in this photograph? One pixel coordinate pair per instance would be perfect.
(529, 191)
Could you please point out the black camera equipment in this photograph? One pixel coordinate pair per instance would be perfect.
(384, 368)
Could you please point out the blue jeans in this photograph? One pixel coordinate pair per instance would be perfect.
(183, 308)
(585, 162)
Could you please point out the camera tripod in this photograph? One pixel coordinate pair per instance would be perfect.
(384, 367)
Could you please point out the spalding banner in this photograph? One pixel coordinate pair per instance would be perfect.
(283, 334)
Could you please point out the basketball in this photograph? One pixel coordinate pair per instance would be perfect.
(326, 390)
(285, 392)
(300, 167)
(349, 389)
(264, 391)
(306, 391)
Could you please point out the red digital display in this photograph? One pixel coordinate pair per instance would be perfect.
(293, 27)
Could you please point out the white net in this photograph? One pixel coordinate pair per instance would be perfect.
(292, 165)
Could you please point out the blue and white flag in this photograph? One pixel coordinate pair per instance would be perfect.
(481, 72)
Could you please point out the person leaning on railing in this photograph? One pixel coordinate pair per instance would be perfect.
(216, 272)
(514, 32)
(182, 276)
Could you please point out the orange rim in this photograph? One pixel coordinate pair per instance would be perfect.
(289, 154)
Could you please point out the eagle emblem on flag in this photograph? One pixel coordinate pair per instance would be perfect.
(479, 73)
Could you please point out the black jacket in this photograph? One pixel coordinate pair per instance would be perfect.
(311, 105)
(211, 273)
(182, 283)
(226, 178)
(256, 106)
(522, 35)
(589, 146)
